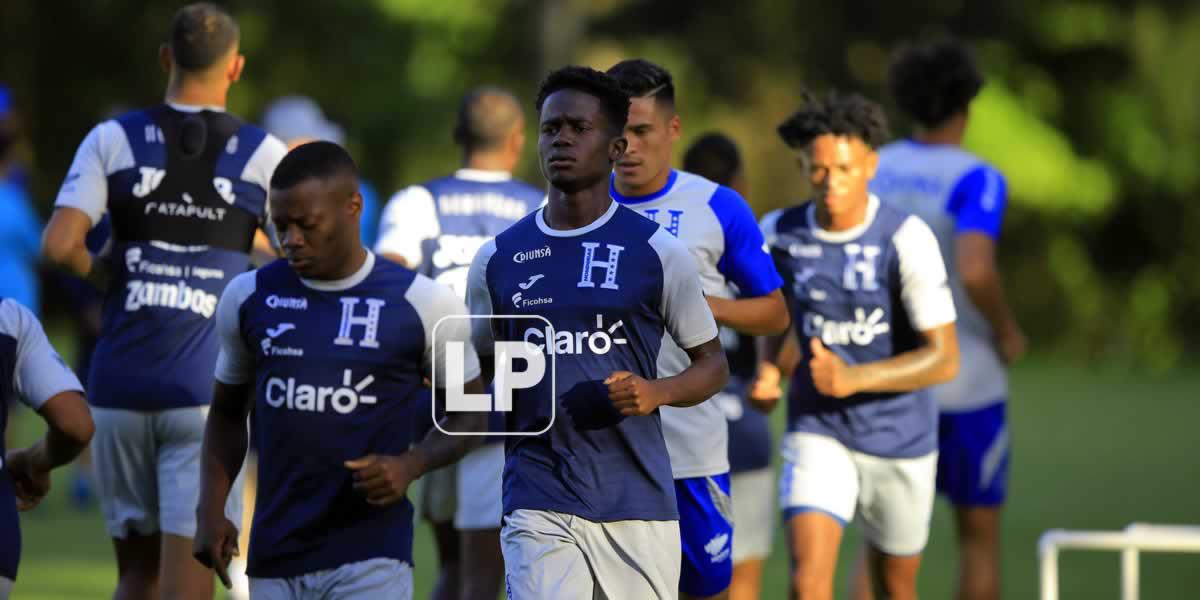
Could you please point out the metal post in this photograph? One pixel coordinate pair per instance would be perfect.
(1129, 574)
(1048, 554)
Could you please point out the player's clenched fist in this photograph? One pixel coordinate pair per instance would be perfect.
(830, 374)
(215, 544)
(383, 479)
(633, 396)
(30, 482)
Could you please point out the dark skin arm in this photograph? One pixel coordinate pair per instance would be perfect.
(221, 457)
(70, 430)
(763, 315)
(976, 263)
(936, 361)
(707, 375)
(778, 356)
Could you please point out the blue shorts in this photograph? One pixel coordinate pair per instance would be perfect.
(973, 456)
(705, 533)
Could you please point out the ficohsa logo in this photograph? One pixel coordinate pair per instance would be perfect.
(518, 365)
(534, 254)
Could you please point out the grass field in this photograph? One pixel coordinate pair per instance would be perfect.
(1094, 449)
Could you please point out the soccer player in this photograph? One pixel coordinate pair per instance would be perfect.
(963, 200)
(329, 349)
(867, 289)
(185, 186)
(589, 505)
(31, 370)
(436, 228)
(720, 231)
(752, 481)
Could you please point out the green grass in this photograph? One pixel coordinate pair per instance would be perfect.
(1093, 449)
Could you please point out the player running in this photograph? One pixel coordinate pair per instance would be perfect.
(589, 505)
(867, 288)
(329, 349)
(751, 480)
(436, 228)
(963, 200)
(720, 231)
(185, 185)
(32, 371)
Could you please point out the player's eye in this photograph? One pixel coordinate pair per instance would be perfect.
(549, 129)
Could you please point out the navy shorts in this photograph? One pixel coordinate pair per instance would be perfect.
(705, 533)
(973, 456)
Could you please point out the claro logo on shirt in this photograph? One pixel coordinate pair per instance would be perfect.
(178, 295)
(293, 395)
(862, 331)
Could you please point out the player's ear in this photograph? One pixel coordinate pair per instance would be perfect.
(235, 68)
(616, 148)
(674, 128)
(871, 162)
(164, 57)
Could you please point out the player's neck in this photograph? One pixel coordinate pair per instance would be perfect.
(488, 161)
(358, 257)
(845, 221)
(196, 93)
(650, 187)
(949, 133)
(565, 211)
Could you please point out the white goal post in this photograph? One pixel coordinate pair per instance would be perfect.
(1134, 539)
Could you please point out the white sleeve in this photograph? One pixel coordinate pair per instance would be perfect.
(235, 362)
(103, 152)
(408, 219)
(435, 302)
(40, 373)
(260, 168)
(688, 318)
(479, 296)
(924, 288)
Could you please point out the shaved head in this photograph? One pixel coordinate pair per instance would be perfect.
(487, 117)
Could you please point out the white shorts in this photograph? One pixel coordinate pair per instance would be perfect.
(555, 555)
(753, 513)
(147, 470)
(375, 579)
(893, 495)
(480, 485)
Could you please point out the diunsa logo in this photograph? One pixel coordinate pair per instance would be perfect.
(274, 301)
(534, 254)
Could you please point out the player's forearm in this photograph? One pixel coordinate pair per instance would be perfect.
(707, 375)
(70, 430)
(928, 365)
(74, 259)
(986, 292)
(437, 449)
(764, 315)
(225, 445)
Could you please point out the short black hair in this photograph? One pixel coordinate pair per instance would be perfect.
(644, 79)
(201, 33)
(486, 116)
(933, 81)
(713, 156)
(613, 98)
(838, 114)
(314, 160)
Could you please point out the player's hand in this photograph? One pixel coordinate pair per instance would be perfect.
(633, 396)
(765, 386)
(830, 374)
(215, 544)
(1011, 343)
(383, 479)
(30, 483)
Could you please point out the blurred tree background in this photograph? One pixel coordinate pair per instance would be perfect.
(1091, 110)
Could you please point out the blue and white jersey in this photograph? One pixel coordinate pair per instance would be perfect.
(183, 222)
(438, 226)
(719, 230)
(336, 368)
(618, 292)
(867, 293)
(31, 370)
(955, 192)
